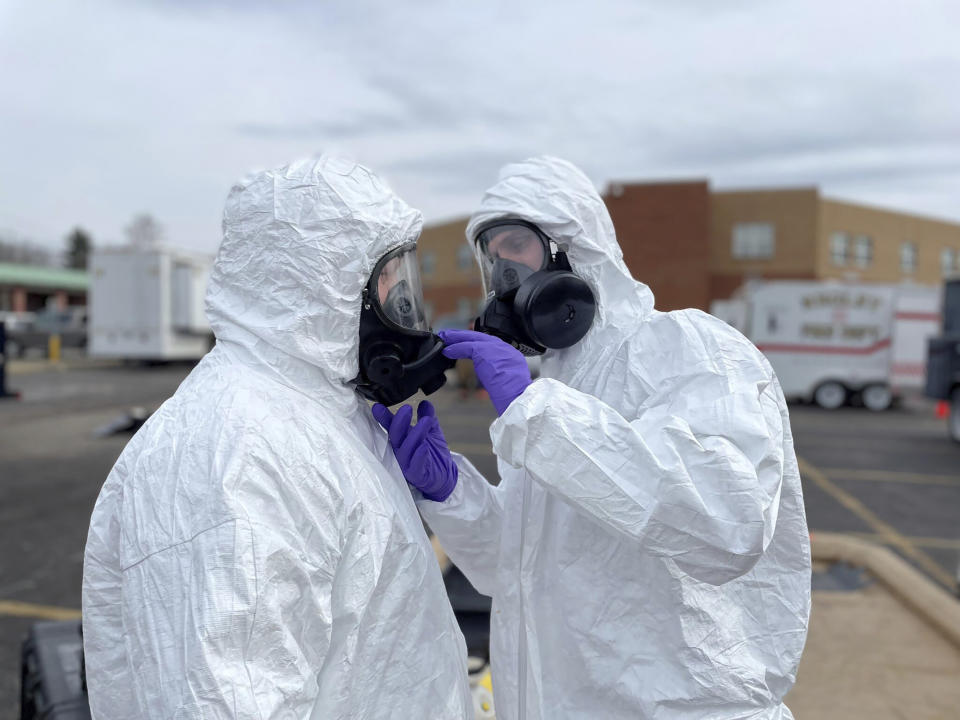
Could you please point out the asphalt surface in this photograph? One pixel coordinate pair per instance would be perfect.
(892, 477)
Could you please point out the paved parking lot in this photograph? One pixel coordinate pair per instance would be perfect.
(893, 478)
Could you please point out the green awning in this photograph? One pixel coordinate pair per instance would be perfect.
(43, 278)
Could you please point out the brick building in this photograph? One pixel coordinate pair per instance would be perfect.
(30, 288)
(448, 269)
(664, 232)
(693, 245)
(793, 233)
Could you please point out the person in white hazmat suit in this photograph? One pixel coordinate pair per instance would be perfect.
(255, 552)
(646, 548)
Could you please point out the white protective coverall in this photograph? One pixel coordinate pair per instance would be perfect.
(646, 548)
(256, 552)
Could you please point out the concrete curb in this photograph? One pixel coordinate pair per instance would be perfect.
(927, 599)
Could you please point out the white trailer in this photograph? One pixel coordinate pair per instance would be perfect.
(830, 341)
(917, 318)
(147, 304)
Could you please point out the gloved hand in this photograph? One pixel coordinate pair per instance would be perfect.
(422, 450)
(500, 367)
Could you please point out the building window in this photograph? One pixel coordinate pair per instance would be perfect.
(753, 241)
(908, 257)
(465, 257)
(428, 263)
(863, 250)
(948, 259)
(839, 248)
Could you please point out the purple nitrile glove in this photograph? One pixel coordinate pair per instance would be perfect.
(501, 368)
(421, 450)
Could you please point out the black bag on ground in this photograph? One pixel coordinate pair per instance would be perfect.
(53, 685)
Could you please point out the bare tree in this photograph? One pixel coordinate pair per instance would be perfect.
(144, 231)
(16, 249)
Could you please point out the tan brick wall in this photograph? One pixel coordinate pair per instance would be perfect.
(448, 281)
(888, 230)
(445, 241)
(793, 213)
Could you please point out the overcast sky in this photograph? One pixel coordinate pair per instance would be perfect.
(108, 109)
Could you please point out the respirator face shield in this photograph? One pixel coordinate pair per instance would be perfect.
(534, 300)
(398, 294)
(399, 355)
(510, 252)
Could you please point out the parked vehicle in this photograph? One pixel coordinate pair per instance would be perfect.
(147, 304)
(831, 343)
(28, 332)
(943, 359)
(15, 322)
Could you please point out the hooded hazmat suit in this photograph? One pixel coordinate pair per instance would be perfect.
(646, 548)
(256, 552)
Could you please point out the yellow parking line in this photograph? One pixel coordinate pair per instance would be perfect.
(13, 608)
(893, 476)
(889, 534)
(836, 442)
(927, 542)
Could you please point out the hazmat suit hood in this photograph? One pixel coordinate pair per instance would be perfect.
(299, 244)
(559, 199)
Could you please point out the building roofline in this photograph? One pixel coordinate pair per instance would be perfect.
(158, 249)
(450, 220)
(767, 189)
(463, 218)
(891, 211)
(39, 276)
(660, 181)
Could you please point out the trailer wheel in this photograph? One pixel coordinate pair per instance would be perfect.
(830, 395)
(877, 397)
(953, 421)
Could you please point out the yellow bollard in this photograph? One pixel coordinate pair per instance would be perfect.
(53, 348)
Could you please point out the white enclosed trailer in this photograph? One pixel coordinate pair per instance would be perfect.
(917, 318)
(147, 304)
(828, 341)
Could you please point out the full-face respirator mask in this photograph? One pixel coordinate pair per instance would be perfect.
(534, 300)
(399, 354)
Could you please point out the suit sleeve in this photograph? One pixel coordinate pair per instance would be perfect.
(695, 478)
(469, 525)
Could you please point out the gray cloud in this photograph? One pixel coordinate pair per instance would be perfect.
(463, 171)
(114, 108)
(347, 127)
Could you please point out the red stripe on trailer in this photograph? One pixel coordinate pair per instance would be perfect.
(930, 317)
(908, 369)
(826, 349)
